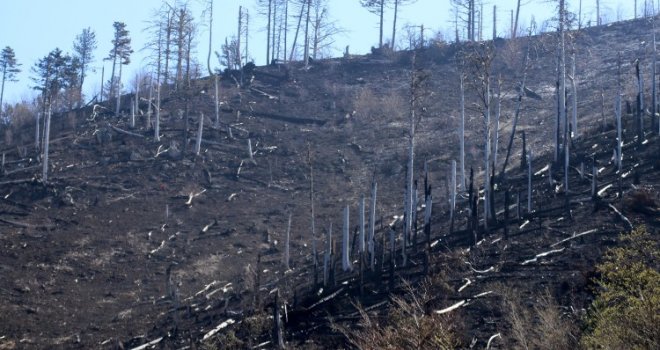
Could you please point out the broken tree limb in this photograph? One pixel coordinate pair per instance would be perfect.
(490, 340)
(125, 132)
(621, 216)
(535, 259)
(20, 170)
(26, 225)
(574, 237)
(451, 308)
(193, 195)
(331, 296)
(16, 182)
(270, 97)
(151, 343)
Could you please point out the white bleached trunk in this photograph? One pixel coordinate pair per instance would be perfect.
(200, 131)
(44, 174)
(345, 253)
(361, 239)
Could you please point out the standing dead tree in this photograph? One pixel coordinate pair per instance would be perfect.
(480, 57)
(418, 80)
(377, 7)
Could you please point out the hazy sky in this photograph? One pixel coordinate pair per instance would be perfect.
(35, 27)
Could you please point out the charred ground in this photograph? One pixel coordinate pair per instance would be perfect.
(86, 257)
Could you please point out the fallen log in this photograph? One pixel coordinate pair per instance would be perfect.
(151, 343)
(574, 237)
(26, 225)
(125, 132)
(218, 328)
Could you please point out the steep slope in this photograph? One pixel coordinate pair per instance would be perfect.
(133, 240)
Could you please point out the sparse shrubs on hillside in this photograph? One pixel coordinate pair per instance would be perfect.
(410, 323)
(626, 311)
(542, 326)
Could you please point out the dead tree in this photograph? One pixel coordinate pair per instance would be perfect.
(372, 223)
(529, 181)
(327, 258)
(617, 111)
(345, 253)
(640, 104)
(462, 130)
(561, 80)
(654, 93)
(200, 130)
(574, 98)
(361, 242)
(311, 207)
(287, 244)
(44, 173)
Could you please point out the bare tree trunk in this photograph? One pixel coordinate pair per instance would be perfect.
(514, 30)
(382, 14)
(345, 253)
(287, 244)
(361, 242)
(37, 133)
(309, 5)
(598, 21)
(44, 174)
(270, 11)
(452, 189)
(327, 259)
(372, 223)
(481, 22)
(216, 93)
(574, 128)
(286, 27)
(102, 83)
(529, 181)
(151, 95)
(462, 132)
(119, 90)
(579, 15)
(498, 110)
(654, 92)
(311, 207)
(487, 154)
(137, 94)
(157, 122)
(132, 113)
(273, 37)
(295, 37)
(200, 131)
(640, 104)
(411, 158)
(494, 22)
(561, 91)
(396, 13)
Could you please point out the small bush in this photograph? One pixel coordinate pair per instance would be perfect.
(626, 311)
(409, 324)
(542, 326)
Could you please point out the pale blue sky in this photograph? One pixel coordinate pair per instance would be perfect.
(35, 27)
